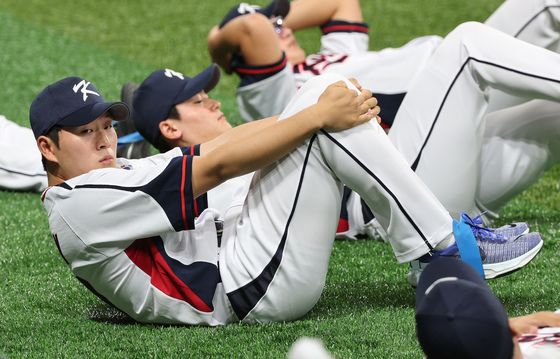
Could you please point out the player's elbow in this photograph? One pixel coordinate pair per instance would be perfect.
(212, 169)
(225, 169)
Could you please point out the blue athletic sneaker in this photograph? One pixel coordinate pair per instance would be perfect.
(500, 256)
(508, 231)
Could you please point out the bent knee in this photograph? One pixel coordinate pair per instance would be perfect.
(469, 28)
(324, 80)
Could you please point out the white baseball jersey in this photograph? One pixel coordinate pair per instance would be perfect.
(137, 238)
(20, 160)
(545, 344)
(135, 235)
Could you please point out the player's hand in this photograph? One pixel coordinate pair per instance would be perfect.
(355, 82)
(529, 324)
(360, 88)
(218, 52)
(342, 108)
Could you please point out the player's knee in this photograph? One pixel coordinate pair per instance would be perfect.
(323, 81)
(469, 29)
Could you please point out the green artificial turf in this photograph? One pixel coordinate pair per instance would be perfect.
(367, 308)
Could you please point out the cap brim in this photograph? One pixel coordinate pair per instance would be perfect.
(118, 111)
(446, 268)
(206, 80)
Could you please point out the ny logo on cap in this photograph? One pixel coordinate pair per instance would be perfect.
(170, 73)
(245, 8)
(82, 86)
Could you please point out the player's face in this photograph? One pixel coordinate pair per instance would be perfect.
(201, 119)
(290, 46)
(85, 148)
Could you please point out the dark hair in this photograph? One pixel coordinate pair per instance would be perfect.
(160, 142)
(53, 135)
(173, 113)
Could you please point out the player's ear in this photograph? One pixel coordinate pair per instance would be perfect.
(46, 147)
(169, 130)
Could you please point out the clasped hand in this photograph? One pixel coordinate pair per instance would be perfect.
(343, 107)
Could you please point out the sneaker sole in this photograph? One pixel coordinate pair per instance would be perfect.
(504, 268)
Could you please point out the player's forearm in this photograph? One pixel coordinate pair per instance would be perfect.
(221, 47)
(252, 36)
(338, 108)
(238, 133)
(530, 323)
(243, 154)
(311, 13)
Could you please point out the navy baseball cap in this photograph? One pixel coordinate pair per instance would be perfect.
(458, 316)
(71, 101)
(164, 89)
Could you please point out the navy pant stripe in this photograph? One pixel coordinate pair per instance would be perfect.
(383, 185)
(244, 299)
(417, 160)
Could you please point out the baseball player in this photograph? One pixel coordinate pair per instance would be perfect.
(494, 173)
(457, 315)
(162, 263)
(20, 162)
(166, 131)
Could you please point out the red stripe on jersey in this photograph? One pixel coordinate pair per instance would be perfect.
(196, 214)
(266, 70)
(183, 207)
(353, 28)
(343, 225)
(144, 254)
(385, 126)
(55, 237)
(192, 150)
(44, 193)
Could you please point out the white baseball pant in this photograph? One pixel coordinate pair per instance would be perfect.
(275, 252)
(534, 21)
(442, 139)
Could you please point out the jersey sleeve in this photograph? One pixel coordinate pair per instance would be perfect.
(249, 74)
(344, 37)
(110, 205)
(268, 96)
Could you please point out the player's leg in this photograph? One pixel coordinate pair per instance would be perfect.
(311, 13)
(533, 21)
(520, 144)
(274, 256)
(443, 142)
(20, 161)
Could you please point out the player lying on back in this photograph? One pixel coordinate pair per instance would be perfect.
(156, 115)
(148, 244)
(442, 126)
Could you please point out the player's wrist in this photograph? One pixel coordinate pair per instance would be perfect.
(317, 116)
